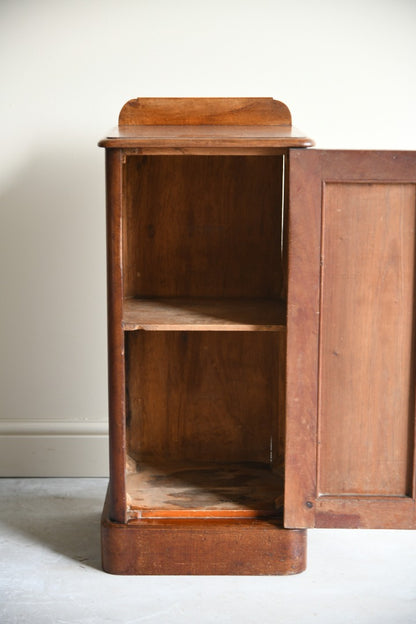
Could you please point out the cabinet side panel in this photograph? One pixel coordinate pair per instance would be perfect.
(116, 388)
(366, 356)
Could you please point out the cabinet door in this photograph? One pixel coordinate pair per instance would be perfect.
(350, 441)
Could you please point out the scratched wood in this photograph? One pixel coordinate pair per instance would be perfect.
(204, 490)
(201, 546)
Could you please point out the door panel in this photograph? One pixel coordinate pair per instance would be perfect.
(351, 305)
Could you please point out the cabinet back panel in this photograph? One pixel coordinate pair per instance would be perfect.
(366, 406)
(202, 396)
(207, 226)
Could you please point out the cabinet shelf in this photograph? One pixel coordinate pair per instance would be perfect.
(203, 314)
(204, 490)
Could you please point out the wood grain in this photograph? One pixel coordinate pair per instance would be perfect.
(186, 314)
(203, 226)
(180, 139)
(116, 377)
(204, 111)
(366, 357)
(201, 546)
(303, 222)
(350, 398)
(202, 396)
(209, 490)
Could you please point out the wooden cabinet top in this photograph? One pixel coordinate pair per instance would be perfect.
(205, 123)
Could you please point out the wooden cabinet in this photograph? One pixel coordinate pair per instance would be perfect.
(261, 338)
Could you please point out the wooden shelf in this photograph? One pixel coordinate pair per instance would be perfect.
(237, 490)
(183, 314)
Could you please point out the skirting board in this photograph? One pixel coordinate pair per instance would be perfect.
(53, 449)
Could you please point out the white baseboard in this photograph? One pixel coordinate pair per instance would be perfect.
(53, 449)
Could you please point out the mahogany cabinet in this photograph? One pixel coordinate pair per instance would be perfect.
(261, 338)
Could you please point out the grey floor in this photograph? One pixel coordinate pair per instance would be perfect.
(50, 572)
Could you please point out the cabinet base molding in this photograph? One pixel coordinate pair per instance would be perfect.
(222, 547)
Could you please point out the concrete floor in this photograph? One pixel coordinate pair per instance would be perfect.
(50, 572)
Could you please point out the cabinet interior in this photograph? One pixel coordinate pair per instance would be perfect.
(204, 325)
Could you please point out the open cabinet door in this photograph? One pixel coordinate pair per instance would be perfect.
(350, 438)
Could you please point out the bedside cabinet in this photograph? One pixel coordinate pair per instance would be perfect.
(261, 338)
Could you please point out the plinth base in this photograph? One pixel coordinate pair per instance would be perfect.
(202, 546)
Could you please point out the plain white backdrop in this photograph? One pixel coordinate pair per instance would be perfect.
(347, 71)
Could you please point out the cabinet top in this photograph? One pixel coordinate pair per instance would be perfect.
(205, 123)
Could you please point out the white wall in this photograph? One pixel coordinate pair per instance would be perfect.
(346, 69)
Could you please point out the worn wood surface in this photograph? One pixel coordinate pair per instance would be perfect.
(202, 546)
(350, 395)
(204, 111)
(174, 150)
(187, 314)
(210, 490)
(202, 226)
(202, 396)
